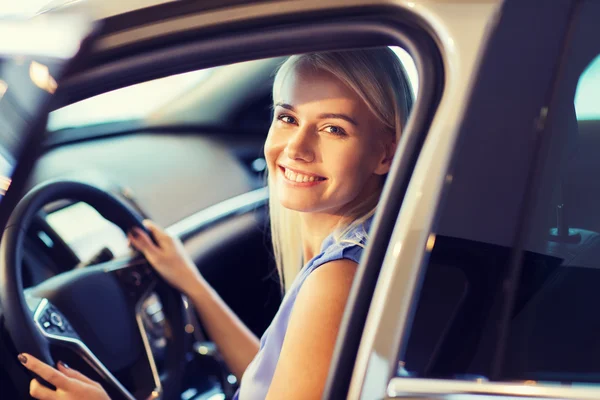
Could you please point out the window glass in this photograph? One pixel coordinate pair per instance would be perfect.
(489, 312)
(129, 103)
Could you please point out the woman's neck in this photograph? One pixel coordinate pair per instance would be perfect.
(315, 228)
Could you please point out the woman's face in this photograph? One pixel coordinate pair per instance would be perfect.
(325, 151)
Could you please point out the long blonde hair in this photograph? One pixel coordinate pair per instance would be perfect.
(378, 77)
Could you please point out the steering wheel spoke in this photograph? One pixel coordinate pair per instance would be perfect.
(52, 323)
(138, 280)
(56, 329)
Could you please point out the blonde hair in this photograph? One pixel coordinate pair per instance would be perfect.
(377, 76)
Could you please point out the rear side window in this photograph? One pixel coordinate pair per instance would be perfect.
(553, 328)
(524, 308)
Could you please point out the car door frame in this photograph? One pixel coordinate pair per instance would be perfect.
(527, 94)
(366, 22)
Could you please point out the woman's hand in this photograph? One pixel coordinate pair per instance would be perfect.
(167, 256)
(70, 384)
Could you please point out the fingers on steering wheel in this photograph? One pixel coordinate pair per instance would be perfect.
(43, 370)
(39, 391)
(141, 241)
(159, 234)
(71, 373)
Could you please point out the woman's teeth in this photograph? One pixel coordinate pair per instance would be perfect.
(296, 177)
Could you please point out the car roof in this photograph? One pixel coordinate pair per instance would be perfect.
(103, 9)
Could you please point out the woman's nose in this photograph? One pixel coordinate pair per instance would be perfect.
(300, 146)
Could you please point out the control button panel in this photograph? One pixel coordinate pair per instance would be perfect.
(53, 322)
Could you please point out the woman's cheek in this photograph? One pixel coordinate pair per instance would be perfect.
(272, 151)
(352, 166)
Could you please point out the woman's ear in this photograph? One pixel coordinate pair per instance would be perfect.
(389, 149)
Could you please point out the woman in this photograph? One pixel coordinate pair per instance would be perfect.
(337, 119)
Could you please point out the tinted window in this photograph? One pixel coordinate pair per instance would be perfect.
(523, 306)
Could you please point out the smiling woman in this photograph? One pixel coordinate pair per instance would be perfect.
(337, 120)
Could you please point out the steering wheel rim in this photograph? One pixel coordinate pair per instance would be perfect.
(20, 311)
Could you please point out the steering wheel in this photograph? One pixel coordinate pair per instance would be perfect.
(96, 310)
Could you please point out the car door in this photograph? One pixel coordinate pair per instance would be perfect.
(451, 42)
(495, 297)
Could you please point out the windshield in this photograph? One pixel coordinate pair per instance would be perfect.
(128, 103)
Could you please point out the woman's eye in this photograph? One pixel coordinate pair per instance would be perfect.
(287, 119)
(335, 130)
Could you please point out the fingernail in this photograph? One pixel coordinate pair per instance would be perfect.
(64, 365)
(22, 359)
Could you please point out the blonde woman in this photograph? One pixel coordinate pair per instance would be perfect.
(337, 120)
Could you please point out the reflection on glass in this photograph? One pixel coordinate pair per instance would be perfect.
(4, 184)
(3, 87)
(40, 76)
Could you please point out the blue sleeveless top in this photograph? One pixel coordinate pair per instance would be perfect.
(257, 377)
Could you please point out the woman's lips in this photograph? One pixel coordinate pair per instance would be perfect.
(299, 178)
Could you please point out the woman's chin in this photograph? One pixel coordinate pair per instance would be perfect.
(296, 204)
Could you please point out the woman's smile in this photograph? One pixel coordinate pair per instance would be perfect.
(297, 178)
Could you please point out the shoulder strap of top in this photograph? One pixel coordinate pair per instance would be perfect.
(349, 247)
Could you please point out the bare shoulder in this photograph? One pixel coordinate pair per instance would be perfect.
(312, 330)
(331, 279)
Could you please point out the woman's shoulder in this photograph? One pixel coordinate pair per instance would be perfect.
(345, 245)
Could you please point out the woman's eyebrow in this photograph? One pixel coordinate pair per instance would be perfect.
(339, 116)
(286, 106)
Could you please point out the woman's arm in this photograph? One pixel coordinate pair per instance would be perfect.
(237, 344)
(307, 350)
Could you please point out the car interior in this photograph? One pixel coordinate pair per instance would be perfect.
(190, 158)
